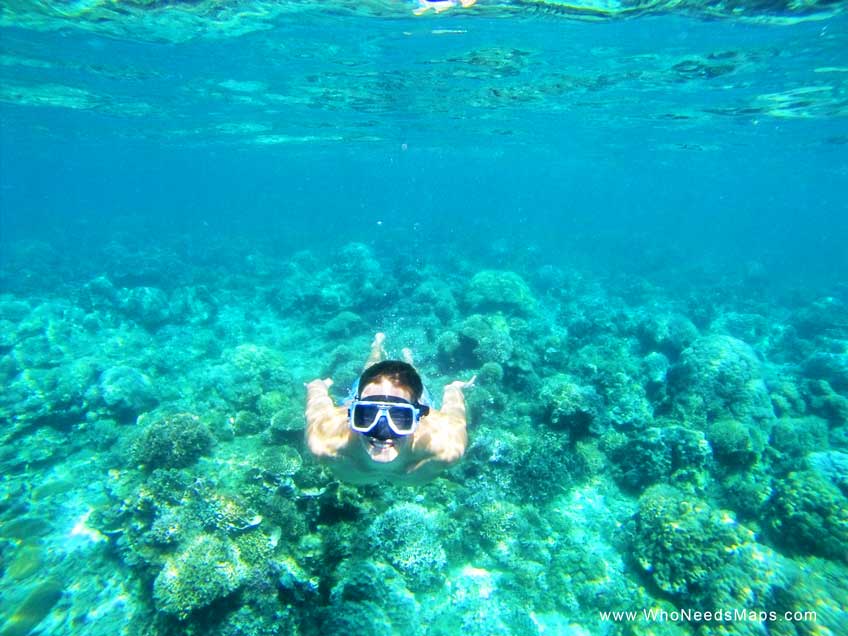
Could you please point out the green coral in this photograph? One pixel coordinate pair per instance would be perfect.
(245, 373)
(488, 337)
(496, 289)
(370, 598)
(796, 437)
(720, 376)
(571, 406)
(671, 453)
(204, 571)
(735, 444)
(408, 538)
(344, 324)
(438, 297)
(809, 515)
(172, 442)
(697, 553)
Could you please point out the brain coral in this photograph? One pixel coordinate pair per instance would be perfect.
(172, 442)
(809, 515)
(698, 553)
(407, 536)
(497, 289)
(720, 376)
(207, 569)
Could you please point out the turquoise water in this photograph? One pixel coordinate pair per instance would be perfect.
(627, 219)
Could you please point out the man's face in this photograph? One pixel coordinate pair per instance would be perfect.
(389, 450)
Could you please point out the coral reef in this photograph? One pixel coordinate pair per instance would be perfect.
(571, 407)
(494, 289)
(408, 538)
(172, 442)
(720, 376)
(809, 515)
(619, 455)
(735, 444)
(205, 570)
(696, 553)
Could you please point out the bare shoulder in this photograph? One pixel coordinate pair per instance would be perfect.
(327, 431)
(441, 436)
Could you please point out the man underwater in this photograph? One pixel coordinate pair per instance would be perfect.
(386, 432)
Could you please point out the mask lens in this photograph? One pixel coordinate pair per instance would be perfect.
(364, 415)
(402, 417)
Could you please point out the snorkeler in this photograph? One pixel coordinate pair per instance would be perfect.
(386, 431)
(440, 5)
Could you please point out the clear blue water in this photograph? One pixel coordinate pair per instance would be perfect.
(682, 162)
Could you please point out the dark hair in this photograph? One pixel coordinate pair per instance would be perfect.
(397, 372)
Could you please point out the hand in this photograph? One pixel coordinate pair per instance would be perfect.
(459, 384)
(327, 382)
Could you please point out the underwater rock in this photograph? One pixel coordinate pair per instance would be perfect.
(278, 463)
(245, 374)
(287, 424)
(543, 467)
(750, 328)
(795, 437)
(488, 338)
(655, 368)
(23, 528)
(371, 599)
(657, 454)
(344, 324)
(99, 293)
(482, 603)
(356, 282)
(571, 407)
(148, 306)
(786, 395)
(13, 310)
(669, 334)
(491, 374)
(172, 442)
(833, 466)
(829, 366)
(408, 536)
(205, 570)
(55, 396)
(37, 352)
(747, 492)
(720, 376)
(809, 515)
(827, 316)
(194, 305)
(25, 616)
(247, 423)
(437, 297)
(126, 392)
(26, 561)
(627, 404)
(496, 289)
(826, 402)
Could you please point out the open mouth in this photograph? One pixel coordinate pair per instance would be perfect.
(382, 451)
(380, 444)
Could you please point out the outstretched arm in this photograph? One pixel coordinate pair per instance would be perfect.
(442, 437)
(327, 431)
